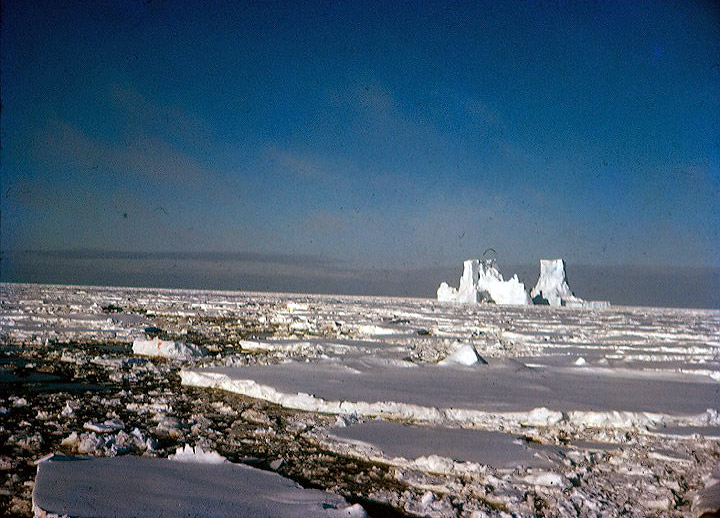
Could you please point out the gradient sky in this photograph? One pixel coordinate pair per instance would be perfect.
(376, 135)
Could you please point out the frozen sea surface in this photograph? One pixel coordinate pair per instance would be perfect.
(399, 440)
(146, 487)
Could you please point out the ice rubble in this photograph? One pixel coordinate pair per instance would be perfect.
(707, 501)
(482, 282)
(198, 455)
(552, 287)
(617, 452)
(146, 487)
(166, 349)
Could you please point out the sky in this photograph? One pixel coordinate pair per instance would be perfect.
(330, 143)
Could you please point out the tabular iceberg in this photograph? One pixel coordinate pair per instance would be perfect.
(552, 287)
(482, 282)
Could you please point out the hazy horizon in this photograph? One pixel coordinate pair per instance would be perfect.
(630, 285)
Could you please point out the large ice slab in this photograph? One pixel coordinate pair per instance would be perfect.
(397, 440)
(150, 487)
(503, 390)
(482, 282)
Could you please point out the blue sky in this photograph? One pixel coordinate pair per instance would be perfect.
(378, 135)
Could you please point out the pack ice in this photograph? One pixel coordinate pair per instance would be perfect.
(433, 409)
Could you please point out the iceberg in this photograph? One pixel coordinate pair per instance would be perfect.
(552, 287)
(482, 282)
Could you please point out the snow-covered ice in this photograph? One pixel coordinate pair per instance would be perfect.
(166, 349)
(396, 440)
(146, 487)
(502, 391)
(464, 355)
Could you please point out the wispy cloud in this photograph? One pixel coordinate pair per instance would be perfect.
(63, 143)
(301, 165)
(486, 115)
(142, 115)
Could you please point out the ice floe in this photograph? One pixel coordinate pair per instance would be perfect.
(503, 393)
(166, 349)
(404, 443)
(146, 487)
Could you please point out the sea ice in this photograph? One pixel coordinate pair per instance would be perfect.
(503, 393)
(397, 440)
(632, 431)
(197, 454)
(148, 487)
(464, 355)
(546, 478)
(166, 349)
(708, 499)
(111, 425)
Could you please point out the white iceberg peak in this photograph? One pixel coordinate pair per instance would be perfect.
(482, 282)
(552, 287)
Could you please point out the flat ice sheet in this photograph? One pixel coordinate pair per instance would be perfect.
(502, 386)
(710, 432)
(496, 449)
(149, 487)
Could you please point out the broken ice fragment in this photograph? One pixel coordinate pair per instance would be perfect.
(167, 349)
(465, 355)
(197, 454)
(547, 479)
(111, 425)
